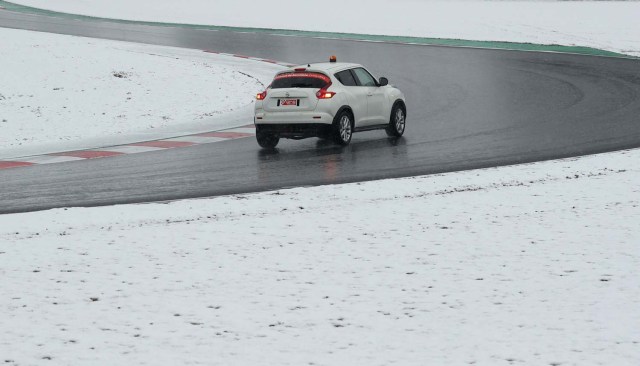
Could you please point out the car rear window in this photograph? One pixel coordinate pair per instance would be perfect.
(312, 80)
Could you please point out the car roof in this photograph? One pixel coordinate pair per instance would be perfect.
(329, 67)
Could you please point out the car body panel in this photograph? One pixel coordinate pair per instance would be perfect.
(306, 99)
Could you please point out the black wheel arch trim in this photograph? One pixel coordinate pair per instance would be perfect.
(345, 108)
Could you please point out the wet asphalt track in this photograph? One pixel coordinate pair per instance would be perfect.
(468, 108)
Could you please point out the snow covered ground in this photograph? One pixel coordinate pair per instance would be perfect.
(63, 92)
(535, 264)
(608, 25)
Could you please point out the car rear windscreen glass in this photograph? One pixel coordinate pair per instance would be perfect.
(311, 80)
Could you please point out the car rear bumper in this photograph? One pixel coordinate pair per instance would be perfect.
(295, 130)
(294, 125)
(307, 117)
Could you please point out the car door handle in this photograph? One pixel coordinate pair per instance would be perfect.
(370, 94)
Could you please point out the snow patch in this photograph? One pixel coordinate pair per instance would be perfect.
(535, 264)
(62, 91)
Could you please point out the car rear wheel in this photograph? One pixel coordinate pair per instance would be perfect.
(267, 140)
(343, 128)
(397, 122)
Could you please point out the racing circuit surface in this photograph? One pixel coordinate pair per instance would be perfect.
(467, 108)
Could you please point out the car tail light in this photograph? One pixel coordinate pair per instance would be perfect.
(261, 96)
(324, 94)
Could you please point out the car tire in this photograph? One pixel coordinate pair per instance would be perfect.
(343, 128)
(267, 140)
(397, 122)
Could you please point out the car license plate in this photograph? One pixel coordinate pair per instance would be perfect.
(288, 102)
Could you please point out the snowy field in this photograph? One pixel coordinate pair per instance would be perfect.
(607, 25)
(64, 92)
(526, 265)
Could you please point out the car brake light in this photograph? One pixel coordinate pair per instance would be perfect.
(261, 96)
(324, 94)
(300, 70)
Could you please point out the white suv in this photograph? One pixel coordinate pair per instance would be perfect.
(327, 100)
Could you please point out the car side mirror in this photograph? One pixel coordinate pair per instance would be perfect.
(383, 81)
